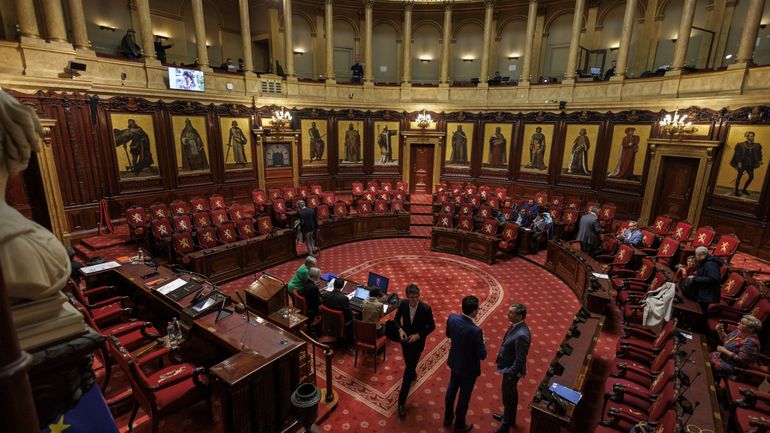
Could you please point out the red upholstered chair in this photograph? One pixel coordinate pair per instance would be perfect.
(623, 418)
(444, 220)
(274, 194)
(179, 207)
(667, 424)
(137, 222)
(627, 279)
(164, 392)
(682, 231)
(619, 260)
(500, 193)
(207, 237)
(372, 186)
(631, 294)
(182, 223)
(458, 199)
(236, 212)
(219, 217)
(301, 304)
(703, 237)
(640, 342)
(541, 198)
(489, 227)
(108, 310)
(441, 197)
(340, 209)
(456, 189)
(644, 372)
(279, 210)
(329, 198)
(364, 207)
(574, 203)
(201, 219)
(475, 200)
(726, 247)
(383, 195)
(302, 192)
(402, 186)
(322, 212)
(313, 201)
(367, 195)
(161, 229)
(317, 189)
(159, 210)
(358, 189)
(610, 240)
(399, 195)
(265, 225)
(227, 233)
(731, 312)
(289, 193)
(366, 340)
(493, 202)
(662, 225)
(751, 420)
(217, 202)
(386, 186)
(571, 216)
(245, 228)
(607, 214)
(199, 205)
(448, 207)
(557, 201)
(591, 204)
(183, 245)
(484, 192)
(466, 209)
(397, 206)
(380, 206)
(621, 391)
(510, 233)
(470, 189)
(332, 325)
(648, 240)
(465, 223)
(667, 251)
(485, 212)
(259, 200)
(507, 213)
(441, 187)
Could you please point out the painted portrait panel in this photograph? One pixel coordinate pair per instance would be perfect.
(191, 144)
(135, 147)
(459, 144)
(579, 149)
(236, 142)
(742, 170)
(628, 151)
(350, 135)
(497, 144)
(536, 148)
(314, 138)
(386, 142)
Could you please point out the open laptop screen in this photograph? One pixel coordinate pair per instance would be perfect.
(378, 281)
(362, 293)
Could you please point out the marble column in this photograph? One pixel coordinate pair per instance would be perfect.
(407, 46)
(79, 29)
(54, 20)
(530, 36)
(248, 60)
(683, 37)
(574, 44)
(368, 66)
(625, 40)
(329, 33)
(145, 28)
(289, 37)
(25, 14)
(750, 30)
(444, 71)
(200, 33)
(487, 42)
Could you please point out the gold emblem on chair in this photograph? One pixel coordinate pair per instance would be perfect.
(202, 221)
(659, 225)
(488, 228)
(729, 286)
(622, 254)
(198, 206)
(169, 374)
(221, 218)
(569, 217)
(665, 249)
(184, 243)
(702, 237)
(643, 270)
(237, 215)
(445, 221)
(465, 224)
(137, 218)
(183, 225)
(678, 232)
(265, 225)
(723, 247)
(207, 237)
(228, 234)
(159, 213)
(607, 213)
(162, 230)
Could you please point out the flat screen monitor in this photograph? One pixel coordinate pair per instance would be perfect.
(596, 71)
(185, 79)
(378, 281)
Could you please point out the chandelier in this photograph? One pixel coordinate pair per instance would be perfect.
(424, 120)
(676, 125)
(280, 119)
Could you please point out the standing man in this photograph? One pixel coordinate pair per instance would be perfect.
(465, 356)
(308, 226)
(611, 71)
(747, 157)
(414, 320)
(129, 47)
(512, 364)
(589, 232)
(704, 286)
(356, 72)
(160, 49)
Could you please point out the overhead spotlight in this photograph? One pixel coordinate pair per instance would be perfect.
(107, 27)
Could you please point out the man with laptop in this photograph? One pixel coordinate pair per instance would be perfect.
(372, 310)
(336, 300)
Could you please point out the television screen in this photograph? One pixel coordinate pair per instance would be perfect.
(596, 71)
(185, 79)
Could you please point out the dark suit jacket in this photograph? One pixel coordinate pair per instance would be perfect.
(589, 231)
(512, 358)
(312, 296)
(307, 220)
(468, 348)
(338, 301)
(708, 277)
(422, 325)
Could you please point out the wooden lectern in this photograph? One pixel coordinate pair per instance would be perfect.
(267, 295)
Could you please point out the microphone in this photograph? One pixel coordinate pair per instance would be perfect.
(244, 305)
(695, 406)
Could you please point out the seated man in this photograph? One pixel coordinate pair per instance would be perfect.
(543, 226)
(632, 235)
(531, 207)
(522, 219)
(311, 293)
(336, 300)
(371, 310)
(704, 286)
(299, 279)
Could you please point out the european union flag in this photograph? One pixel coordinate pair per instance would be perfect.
(91, 415)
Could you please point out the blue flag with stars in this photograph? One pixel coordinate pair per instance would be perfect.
(91, 415)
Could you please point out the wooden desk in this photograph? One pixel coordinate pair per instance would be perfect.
(227, 262)
(464, 243)
(527, 242)
(254, 383)
(350, 287)
(707, 416)
(576, 369)
(576, 269)
(362, 227)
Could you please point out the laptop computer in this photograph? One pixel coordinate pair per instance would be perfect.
(378, 281)
(359, 296)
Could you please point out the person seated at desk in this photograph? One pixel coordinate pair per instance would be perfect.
(522, 218)
(543, 226)
(531, 207)
(336, 300)
(632, 235)
(739, 348)
(372, 312)
(299, 279)
(312, 293)
(704, 286)
(684, 271)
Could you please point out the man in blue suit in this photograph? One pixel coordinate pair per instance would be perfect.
(512, 364)
(468, 349)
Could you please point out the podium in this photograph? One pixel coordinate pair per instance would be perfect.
(267, 295)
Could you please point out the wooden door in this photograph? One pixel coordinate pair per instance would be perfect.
(675, 186)
(421, 171)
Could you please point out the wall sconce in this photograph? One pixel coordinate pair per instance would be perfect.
(106, 27)
(614, 48)
(468, 59)
(164, 37)
(425, 60)
(513, 57)
(762, 25)
(299, 53)
(673, 40)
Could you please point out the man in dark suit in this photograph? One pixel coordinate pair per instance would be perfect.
(414, 320)
(336, 300)
(467, 351)
(512, 364)
(308, 225)
(589, 232)
(312, 293)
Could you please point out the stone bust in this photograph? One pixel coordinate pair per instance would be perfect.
(34, 263)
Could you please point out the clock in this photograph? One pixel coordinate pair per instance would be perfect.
(277, 155)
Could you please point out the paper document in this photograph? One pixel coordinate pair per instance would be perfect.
(100, 267)
(351, 295)
(330, 285)
(602, 276)
(170, 287)
(568, 394)
(384, 308)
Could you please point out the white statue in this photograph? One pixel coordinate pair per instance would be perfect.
(35, 264)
